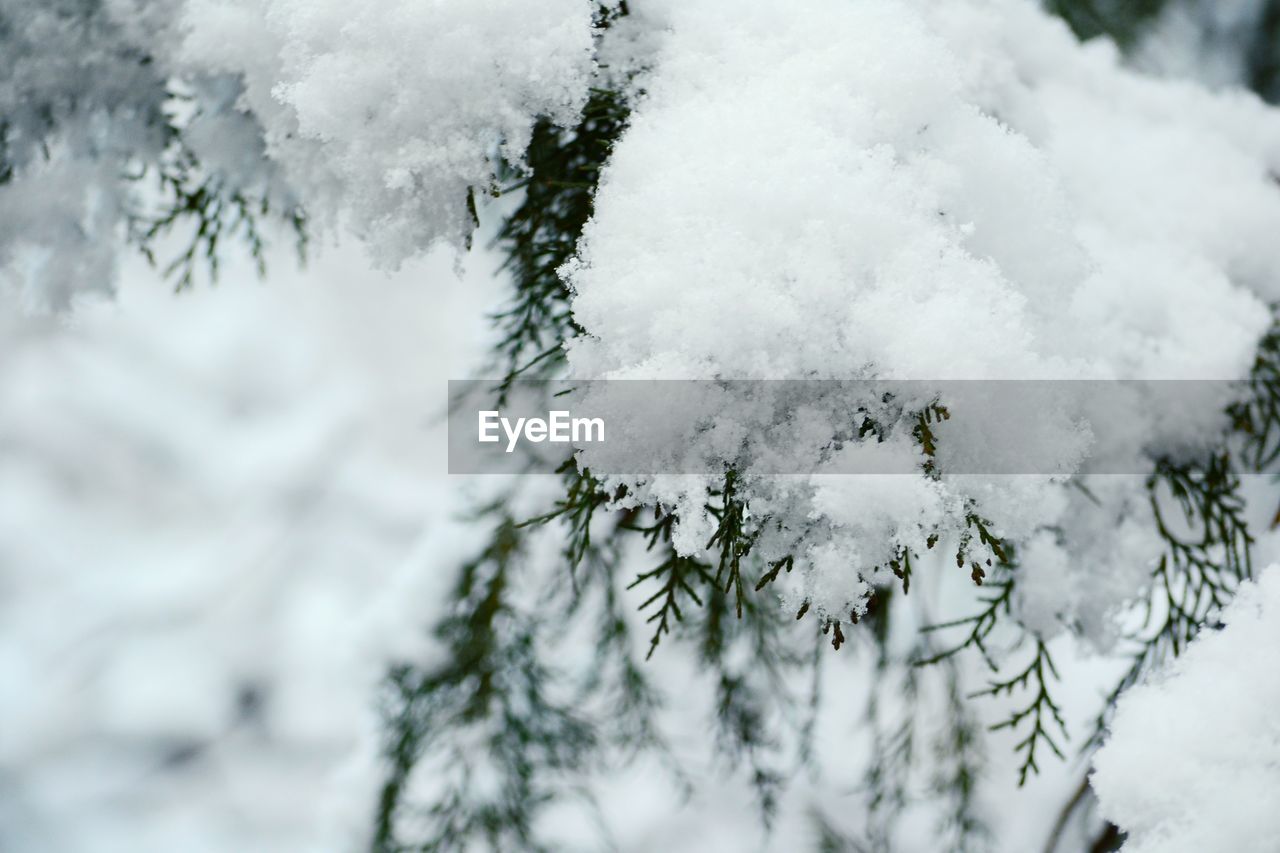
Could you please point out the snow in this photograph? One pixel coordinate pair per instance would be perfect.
(1192, 757)
(218, 521)
(385, 115)
(925, 191)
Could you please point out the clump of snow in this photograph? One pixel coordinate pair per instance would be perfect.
(880, 189)
(926, 191)
(1192, 758)
(387, 114)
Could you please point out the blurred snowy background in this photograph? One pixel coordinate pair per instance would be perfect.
(220, 513)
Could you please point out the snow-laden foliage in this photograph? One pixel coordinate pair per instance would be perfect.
(392, 114)
(78, 96)
(692, 188)
(1191, 761)
(925, 191)
(156, 117)
(102, 133)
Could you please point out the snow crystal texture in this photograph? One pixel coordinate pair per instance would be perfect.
(926, 191)
(390, 113)
(1192, 759)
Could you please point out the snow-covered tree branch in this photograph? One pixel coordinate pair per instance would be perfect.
(708, 648)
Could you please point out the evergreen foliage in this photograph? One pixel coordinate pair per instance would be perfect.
(211, 213)
(493, 694)
(207, 208)
(1124, 21)
(558, 179)
(707, 604)
(1121, 20)
(124, 109)
(480, 742)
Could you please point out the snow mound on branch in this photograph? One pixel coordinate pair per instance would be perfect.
(1193, 758)
(924, 192)
(390, 112)
(928, 191)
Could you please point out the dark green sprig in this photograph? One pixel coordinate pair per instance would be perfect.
(493, 682)
(995, 607)
(922, 432)
(584, 496)
(211, 211)
(732, 538)
(776, 566)
(1042, 712)
(905, 728)
(559, 177)
(974, 523)
(755, 664)
(1207, 555)
(1121, 20)
(1257, 417)
(959, 752)
(678, 578)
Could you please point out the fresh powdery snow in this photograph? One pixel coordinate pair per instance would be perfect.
(385, 115)
(921, 190)
(1193, 758)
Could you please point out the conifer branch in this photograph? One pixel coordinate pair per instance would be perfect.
(558, 178)
(676, 576)
(491, 681)
(209, 210)
(1257, 417)
(584, 496)
(1198, 574)
(1043, 713)
(776, 566)
(732, 538)
(979, 625)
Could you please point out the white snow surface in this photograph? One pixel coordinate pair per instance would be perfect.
(1192, 760)
(384, 115)
(927, 191)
